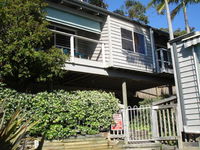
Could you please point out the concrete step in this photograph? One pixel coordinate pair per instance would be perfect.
(143, 146)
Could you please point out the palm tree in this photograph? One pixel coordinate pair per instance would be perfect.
(181, 4)
(164, 4)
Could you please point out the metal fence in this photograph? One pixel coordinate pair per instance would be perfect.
(140, 125)
(148, 123)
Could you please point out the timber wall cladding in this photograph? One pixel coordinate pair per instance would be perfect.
(125, 59)
(188, 81)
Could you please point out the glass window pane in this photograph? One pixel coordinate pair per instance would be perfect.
(139, 43)
(165, 55)
(127, 45)
(126, 34)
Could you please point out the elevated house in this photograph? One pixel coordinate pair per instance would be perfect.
(107, 49)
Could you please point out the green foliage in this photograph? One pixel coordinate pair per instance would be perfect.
(62, 113)
(178, 32)
(12, 133)
(25, 55)
(133, 9)
(149, 101)
(99, 3)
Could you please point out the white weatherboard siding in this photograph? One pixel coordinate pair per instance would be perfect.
(190, 91)
(127, 59)
(95, 49)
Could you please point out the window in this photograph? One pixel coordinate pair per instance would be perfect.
(139, 43)
(127, 39)
(136, 45)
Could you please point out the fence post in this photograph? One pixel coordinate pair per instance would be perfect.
(72, 48)
(154, 117)
(126, 118)
(179, 133)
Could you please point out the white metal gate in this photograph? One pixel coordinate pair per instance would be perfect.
(148, 123)
(139, 123)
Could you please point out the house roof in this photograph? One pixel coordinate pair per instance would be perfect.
(103, 11)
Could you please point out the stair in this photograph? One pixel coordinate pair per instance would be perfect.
(191, 146)
(143, 146)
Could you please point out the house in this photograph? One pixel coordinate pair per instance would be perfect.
(186, 61)
(107, 49)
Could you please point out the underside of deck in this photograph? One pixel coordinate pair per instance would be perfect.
(79, 76)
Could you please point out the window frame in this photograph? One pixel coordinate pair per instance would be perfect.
(133, 42)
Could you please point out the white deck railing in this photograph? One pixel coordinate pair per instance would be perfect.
(72, 43)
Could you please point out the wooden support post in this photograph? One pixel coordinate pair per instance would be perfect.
(72, 48)
(124, 93)
(125, 114)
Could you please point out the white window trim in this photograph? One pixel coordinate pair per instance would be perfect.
(133, 38)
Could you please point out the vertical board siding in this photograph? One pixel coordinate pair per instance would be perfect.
(127, 59)
(189, 87)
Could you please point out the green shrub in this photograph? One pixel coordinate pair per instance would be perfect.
(63, 113)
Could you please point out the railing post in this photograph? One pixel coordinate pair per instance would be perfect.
(72, 48)
(154, 117)
(162, 60)
(103, 54)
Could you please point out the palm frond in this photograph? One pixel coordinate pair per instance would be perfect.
(176, 10)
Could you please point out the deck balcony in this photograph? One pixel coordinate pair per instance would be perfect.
(81, 49)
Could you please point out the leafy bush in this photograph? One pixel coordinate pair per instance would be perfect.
(63, 113)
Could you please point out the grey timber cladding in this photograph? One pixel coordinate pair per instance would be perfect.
(190, 91)
(129, 59)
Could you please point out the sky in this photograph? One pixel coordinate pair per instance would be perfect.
(160, 21)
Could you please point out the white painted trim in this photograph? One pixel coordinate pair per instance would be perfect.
(77, 36)
(133, 42)
(179, 100)
(72, 48)
(110, 41)
(152, 48)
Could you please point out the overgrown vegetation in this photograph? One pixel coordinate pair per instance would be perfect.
(25, 54)
(62, 113)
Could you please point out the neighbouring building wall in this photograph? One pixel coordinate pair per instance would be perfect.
(128, 59)
(190, 97)
(156, 92)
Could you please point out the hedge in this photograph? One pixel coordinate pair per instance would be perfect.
(61, 113)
